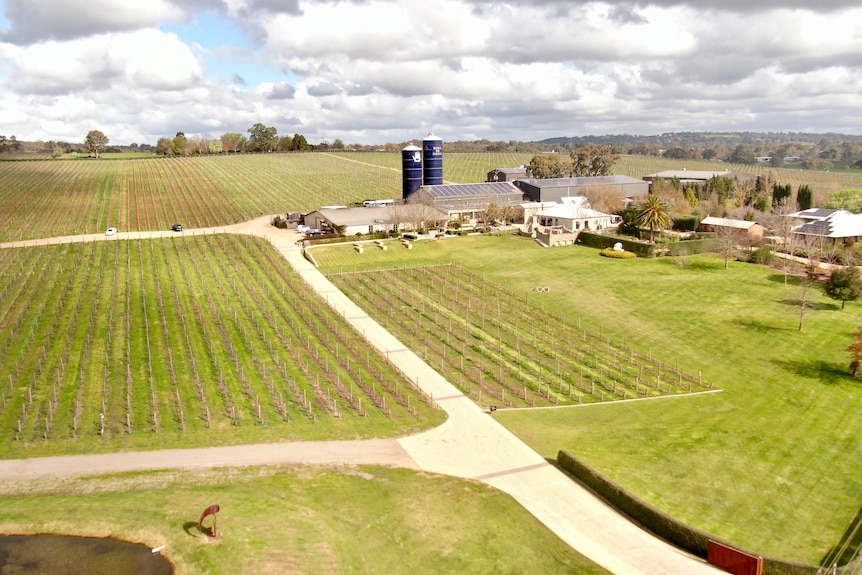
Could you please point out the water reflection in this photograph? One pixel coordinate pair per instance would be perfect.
(65, 555)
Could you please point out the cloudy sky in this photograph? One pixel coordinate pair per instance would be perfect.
(376, 71)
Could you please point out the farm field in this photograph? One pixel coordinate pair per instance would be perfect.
(42, 198)
(350, 520)
(770, 462)
(180, 342)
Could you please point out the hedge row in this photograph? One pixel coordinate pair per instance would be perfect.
(693, 540)
(691, 247)
(642, 249)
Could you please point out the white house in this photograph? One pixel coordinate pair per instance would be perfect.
(575, 214)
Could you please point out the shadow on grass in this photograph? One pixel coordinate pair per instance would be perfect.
(191, 528)
(819, 370)
(817, 306)
(780, 279)
(697, 264)
(843, 551)
(758, 326)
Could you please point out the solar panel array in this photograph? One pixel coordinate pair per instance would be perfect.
(483, 189)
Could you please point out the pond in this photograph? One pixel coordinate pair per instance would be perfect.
(66, 555)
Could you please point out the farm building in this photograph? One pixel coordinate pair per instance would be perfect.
(826, 224)
(507, 174)
(752, 230)
(467, 201)
(352, 221)
(555, 189)
(698, 177)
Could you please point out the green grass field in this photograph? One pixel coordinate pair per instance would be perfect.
(770, 463)
(311, 520)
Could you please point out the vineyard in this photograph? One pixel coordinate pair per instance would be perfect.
(500, 350)
(185, 341)
(66, 197)
(42, 198)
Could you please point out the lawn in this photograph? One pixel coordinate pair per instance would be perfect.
(350, 520)
(770, 462)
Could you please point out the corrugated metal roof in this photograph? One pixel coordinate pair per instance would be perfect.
(728, 223)
(580, 181)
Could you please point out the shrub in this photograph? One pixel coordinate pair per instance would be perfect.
(612, 253)
(279, 222)
(685, 223)
(762, 255)
(409, 236)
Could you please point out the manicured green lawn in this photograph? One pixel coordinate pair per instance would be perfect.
(302, 520)
(771, 462)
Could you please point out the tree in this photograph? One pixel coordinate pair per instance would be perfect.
(179, 147)
(804, 197)
(165, 146)
(263, 138)
(338, 144)
(781, 193)
(215, 147)
(850, 200)
(855, 350)
(653, 214)
(808, 280)
(546, 166)
(844, 285)
(603, 198)
(741, 154)
(728, 242)
(232, 141)
(592, 160)
(299, 143)
(95, 142)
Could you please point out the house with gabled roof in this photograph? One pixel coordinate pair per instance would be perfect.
(575, 214)
(833, 225)
(752, 230)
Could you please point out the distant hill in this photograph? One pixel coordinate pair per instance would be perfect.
(705, 138)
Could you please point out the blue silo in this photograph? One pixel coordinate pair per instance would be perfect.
(411, 170)
(432, 160)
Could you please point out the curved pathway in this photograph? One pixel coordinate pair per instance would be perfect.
(470, 444)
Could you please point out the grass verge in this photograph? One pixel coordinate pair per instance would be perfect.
(350, 520)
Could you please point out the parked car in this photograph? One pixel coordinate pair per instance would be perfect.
(177, 227)
(110, 231)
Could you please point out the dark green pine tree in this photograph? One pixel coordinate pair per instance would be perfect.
(844, 285)
(804, 197)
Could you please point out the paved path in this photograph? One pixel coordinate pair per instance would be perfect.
(470, 444)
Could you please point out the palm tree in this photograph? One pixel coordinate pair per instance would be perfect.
(654, 215)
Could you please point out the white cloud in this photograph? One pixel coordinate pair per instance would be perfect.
(39, 20)
(390, 70)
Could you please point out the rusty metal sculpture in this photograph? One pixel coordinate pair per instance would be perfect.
(211, 510)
